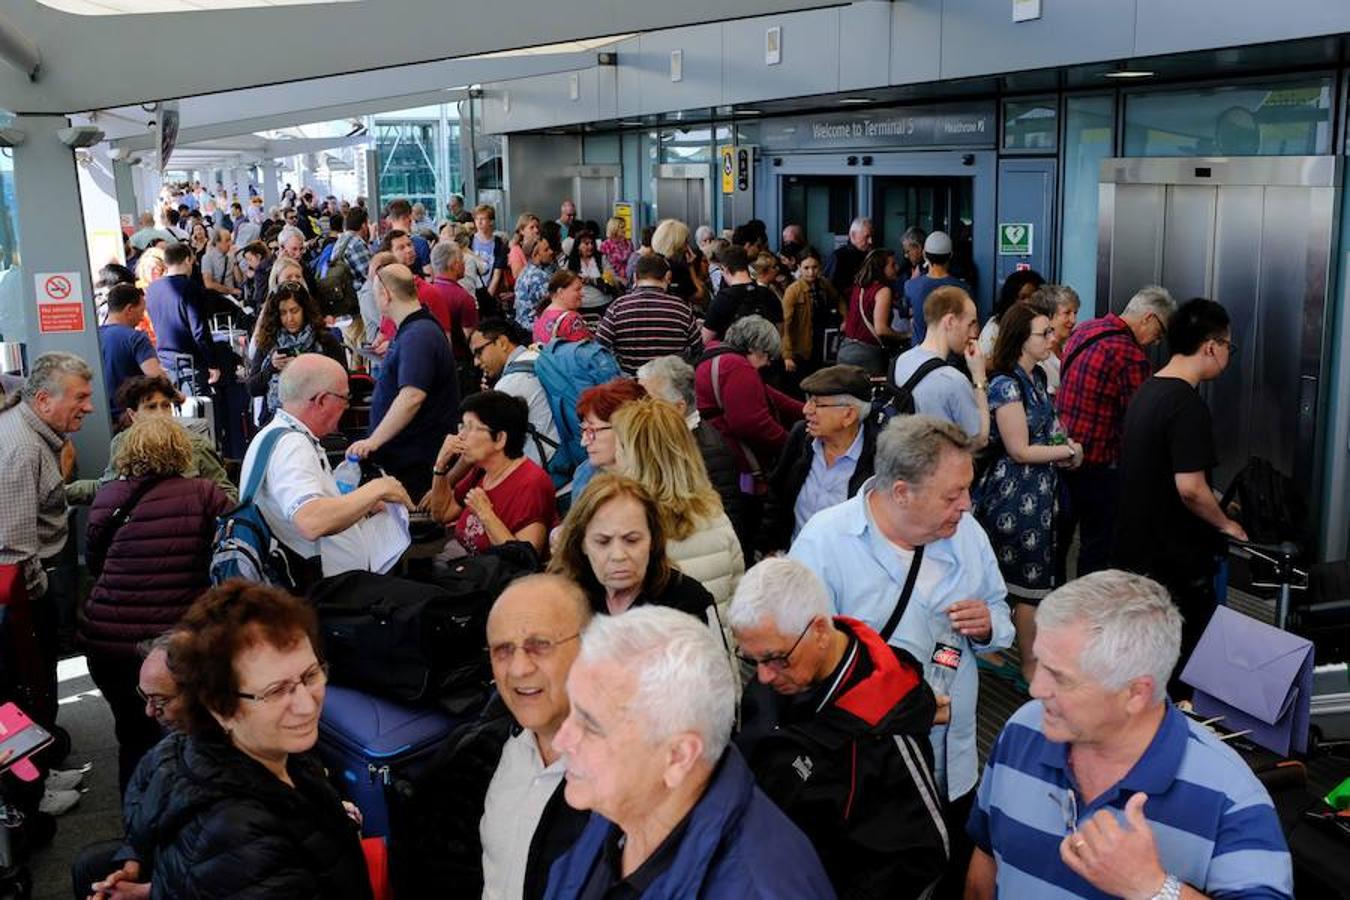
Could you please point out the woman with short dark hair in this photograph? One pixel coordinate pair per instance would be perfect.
(237, 807)
(485, 485)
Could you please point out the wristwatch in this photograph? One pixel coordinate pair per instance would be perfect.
(981, 385)
(1170, 890)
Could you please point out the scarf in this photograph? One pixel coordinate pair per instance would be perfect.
(303, 340)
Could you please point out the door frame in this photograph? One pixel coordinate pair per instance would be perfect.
(981, 165)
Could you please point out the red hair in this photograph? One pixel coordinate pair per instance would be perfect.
(604, 400)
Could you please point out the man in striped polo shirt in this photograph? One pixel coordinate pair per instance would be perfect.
(1100, 787)
(649, 322)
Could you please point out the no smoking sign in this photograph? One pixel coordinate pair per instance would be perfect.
(60, 302)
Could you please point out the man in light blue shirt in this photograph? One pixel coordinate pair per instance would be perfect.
(914, 511)
(946, 393)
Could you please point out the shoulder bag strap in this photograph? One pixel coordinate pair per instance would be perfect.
(928, 367)
(269, 443)
(1088, 342)
(717, 383)
(867, 320)
(905, 592)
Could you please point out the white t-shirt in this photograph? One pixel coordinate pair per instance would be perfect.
(527, 387)
(297, 473)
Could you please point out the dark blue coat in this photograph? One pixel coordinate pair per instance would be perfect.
(737, 846)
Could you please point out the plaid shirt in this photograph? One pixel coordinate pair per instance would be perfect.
(357, 254)
(33, 522)
(1095, 390)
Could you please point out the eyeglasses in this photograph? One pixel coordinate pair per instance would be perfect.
(1162, 326)
(157, 702)
(1227, 342)
(1047, 333)
(478, 351)
(812, 401)
(345, 398)
(474, 426)
(777, 661)
(315, 676)
(292, 286)
(534, 647)
(589, 432)
(1068, 808)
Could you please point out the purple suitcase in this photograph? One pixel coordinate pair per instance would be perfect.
(369, 743)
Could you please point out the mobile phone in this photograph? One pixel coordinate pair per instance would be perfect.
(291, 351)
(20, 735)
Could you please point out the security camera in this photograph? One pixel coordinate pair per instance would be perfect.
(80, 136)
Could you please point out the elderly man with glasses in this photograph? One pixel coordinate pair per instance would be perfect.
(490, 810)
(324, 529)
(835, 727)
(827, 458)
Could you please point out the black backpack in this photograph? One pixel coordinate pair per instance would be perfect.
(416, 641)
(1270, 506)
(890, 400)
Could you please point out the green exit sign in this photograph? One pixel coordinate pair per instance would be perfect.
(1014, 238)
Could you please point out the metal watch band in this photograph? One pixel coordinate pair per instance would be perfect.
(1171, 889)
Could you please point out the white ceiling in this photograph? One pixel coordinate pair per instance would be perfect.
(125, 7)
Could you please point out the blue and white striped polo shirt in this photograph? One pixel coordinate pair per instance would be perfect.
(1213, 822)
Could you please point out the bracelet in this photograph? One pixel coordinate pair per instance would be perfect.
(981, 386)
(1170, 890)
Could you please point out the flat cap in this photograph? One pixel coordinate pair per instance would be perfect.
(850, 380)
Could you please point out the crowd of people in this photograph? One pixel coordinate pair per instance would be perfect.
(768, 565)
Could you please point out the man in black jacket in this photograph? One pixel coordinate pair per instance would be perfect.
(488, 817)
(827, 457)
(835, 729)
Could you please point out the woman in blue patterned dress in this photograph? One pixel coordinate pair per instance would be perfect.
(1015, 499)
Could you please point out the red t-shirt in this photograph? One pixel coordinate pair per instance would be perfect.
(523, 498)
(450, 304)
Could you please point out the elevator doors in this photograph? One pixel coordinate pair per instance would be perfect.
(823, 205)
(682, 193)
(1255, 235)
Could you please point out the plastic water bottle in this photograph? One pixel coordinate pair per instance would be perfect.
(348, 475)
(940, 670)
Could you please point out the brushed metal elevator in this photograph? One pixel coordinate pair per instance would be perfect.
(1255, 234)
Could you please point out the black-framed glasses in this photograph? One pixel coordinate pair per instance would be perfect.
(815, 401)
(1047, 333)
(313, 677)
(478, 351)
(345, 398)
(535, 648)
(589, 432)
(1227, 342)
(157, 702)
(1162, 325)
(776, 661)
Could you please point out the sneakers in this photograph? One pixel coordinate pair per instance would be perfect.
(65, 779)
(56, 803)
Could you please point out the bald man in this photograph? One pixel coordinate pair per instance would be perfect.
(298, 497)
(416, 400)
(491, 807)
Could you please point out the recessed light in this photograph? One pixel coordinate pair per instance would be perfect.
(855, 100)
(749, 112)
(629, 123)
(1129, 73)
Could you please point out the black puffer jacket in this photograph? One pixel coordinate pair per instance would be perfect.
(221, 825)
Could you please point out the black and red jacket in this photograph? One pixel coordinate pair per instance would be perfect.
(851, 764)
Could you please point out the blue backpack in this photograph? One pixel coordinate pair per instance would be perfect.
(565, 369)
(244, 546)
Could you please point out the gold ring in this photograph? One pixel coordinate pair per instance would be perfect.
(1079, 844)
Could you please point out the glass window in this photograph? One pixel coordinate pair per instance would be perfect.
(1030, 125)
(1287, 119)
(600, 149)
(687, 145)
(1089, 136)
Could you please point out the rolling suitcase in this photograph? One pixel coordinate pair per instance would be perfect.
(368, 743)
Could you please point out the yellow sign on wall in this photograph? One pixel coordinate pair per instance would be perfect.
(728, 154)
(624, 211)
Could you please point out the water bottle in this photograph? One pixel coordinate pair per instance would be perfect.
(940, 670)
(348, 475)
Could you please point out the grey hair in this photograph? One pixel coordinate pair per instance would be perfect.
(913, 236)
(306, 376)
(910, 448)
(1152, 299)
(443, 254)
(862, 406)
(779, 591)
(1061, 295)
(220, 233)
(684, 680)
(678, 376)
(703, 234)
(754, 334)
(163, 641)
(289, 232)
(859, 224)
(1133, 627)
(50, 372)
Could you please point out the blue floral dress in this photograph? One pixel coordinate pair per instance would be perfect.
(1015, 502)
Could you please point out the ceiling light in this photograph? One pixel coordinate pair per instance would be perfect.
(749, 112)
(1128, 73)
(629, 123)
(855, 100)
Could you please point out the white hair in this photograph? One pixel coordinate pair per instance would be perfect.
(684, 680)
(50, 372)
(290, 231)
(703, 234)
(1152, 299)
(782, 592)
(307, 376)
(676, 375)
(1133, 627)
(444, 254)
(858, 224)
